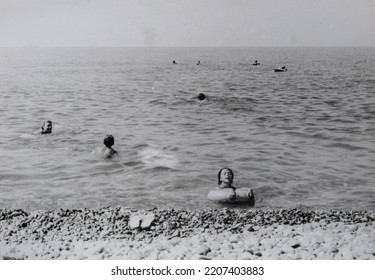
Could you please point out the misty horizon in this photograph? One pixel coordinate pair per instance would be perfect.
(191, 23)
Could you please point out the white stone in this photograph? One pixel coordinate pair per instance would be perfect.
(234, 238)
(287, 249)
(346, 253)
(134, 222)
(246, 256)
(201, 249)
(147, 220)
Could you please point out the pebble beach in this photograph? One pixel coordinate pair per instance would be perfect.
(120, 233)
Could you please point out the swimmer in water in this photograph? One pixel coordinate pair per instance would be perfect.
(225, 182)
(47, 127)
(225, 178)
(201, 97)
(174, 62)
(109, 141)
(199, 62)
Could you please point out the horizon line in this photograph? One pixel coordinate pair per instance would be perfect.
(266, 46)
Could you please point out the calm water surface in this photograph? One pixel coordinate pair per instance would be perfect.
(303, 138)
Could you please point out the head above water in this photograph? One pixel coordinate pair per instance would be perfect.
(47, 127)
(109, 141)
(201, 97)
(225, 175)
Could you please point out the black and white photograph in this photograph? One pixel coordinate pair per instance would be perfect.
(187, 130)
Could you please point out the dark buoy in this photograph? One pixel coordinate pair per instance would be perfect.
(201, 97)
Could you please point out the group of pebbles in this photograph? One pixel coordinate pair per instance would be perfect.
(125, 233)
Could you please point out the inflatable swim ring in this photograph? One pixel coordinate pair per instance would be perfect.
(241, 196)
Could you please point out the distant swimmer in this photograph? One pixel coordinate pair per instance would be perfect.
(201, 97)
(256, 63)
(109, 141)
(174, 62)
(199, 62)
(47, 127)
(280, 69)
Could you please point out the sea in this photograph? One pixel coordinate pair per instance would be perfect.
(303, 138)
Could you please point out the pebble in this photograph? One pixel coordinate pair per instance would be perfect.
(346, 253)
(134, 222)
(125, 233)
(246, 256)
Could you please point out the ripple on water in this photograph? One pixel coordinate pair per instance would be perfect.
(298, 138)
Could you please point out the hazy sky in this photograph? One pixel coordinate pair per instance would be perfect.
(187, 22)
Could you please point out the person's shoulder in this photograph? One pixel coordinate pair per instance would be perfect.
(108, 153)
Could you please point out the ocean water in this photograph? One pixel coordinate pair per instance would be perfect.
(302, 138)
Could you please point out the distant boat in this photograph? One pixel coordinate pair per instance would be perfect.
(256, 63)
(280, 69)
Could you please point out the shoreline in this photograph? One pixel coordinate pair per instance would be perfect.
(121, 233)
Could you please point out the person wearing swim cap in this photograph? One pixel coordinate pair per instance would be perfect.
(108, 142)
(47, 127)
